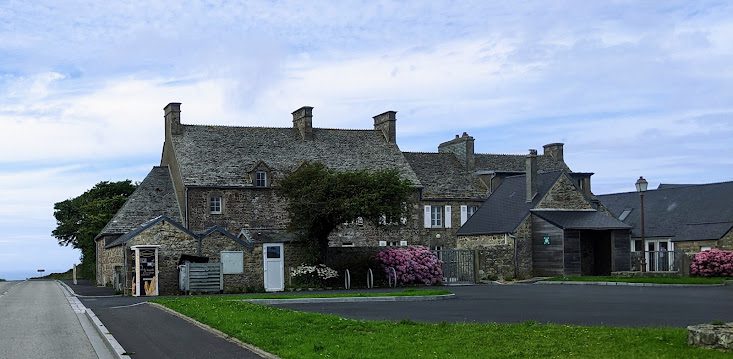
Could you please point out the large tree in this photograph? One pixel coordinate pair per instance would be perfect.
(320, 199)
(81, 218)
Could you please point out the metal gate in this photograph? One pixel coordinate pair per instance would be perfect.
(458, 266)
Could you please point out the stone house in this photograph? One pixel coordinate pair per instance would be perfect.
(545, 224)
(224, 178)
(683, 218)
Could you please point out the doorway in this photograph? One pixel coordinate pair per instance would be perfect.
(274, 267)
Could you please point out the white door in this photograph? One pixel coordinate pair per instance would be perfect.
(274, 266)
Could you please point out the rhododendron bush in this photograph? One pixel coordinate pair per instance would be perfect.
(712, 263)
(416, 264)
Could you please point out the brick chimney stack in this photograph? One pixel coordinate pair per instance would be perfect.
(303, 122)
(387, 123)
(462, 148)
(531, 175)
(172, 117)
(554, 150)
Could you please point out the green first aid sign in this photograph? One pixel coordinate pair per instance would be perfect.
(546, 240)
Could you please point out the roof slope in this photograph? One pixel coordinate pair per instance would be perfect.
(223, 155)
(443, 176)
(581, 220)
(505, 209)
(516, 163)
(693, 212)
(153, 197)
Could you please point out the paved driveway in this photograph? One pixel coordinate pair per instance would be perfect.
(36, 321)
(571, 304)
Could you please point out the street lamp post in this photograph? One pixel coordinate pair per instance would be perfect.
(641, 186)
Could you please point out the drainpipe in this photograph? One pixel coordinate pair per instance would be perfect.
(124, 267)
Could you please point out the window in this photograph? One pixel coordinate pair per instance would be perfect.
(215, 204)
(232, 262)
(703, 249)
(624, 214)
(347, 244)
(472, 210)
(261, 179)
(436, 216)
(393, 243)
(359, 221)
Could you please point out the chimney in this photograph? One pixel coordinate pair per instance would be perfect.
(554, 150)
(173, 119)
(303, 122)
(386, 122)
(462, 148)
(531, 175)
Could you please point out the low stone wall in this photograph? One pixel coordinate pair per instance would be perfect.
(711, 336)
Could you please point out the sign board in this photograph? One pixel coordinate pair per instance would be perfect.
(546, 240)
(146, 271)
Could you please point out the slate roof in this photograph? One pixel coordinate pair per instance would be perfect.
(516, 163)
(443, 176)
(153, 197)
(581, 219)
(223, 155)
(506, 207)
(133, 233)
(693, 212)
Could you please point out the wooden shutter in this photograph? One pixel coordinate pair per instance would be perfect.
(426, 219)
(447, 217)
(464, 214)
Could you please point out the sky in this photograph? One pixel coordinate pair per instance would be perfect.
(632, 88)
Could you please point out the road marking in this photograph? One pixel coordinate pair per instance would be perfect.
(127, 306)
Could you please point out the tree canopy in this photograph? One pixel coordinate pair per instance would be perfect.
(81, 218)
(320, 199)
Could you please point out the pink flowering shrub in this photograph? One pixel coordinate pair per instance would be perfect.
(712, 263)
(415, 264)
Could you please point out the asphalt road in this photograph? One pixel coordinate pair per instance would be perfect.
(148, 332)
(36, 321)
(566, 304)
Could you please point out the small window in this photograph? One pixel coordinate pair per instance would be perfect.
(436, 216)
(347, 244)
(273, 252)
(261, 179)
(624, 214)
(215, 204)
(359, 221)
(393, 243)
(471, 210)
(232, 262)
(703, 249)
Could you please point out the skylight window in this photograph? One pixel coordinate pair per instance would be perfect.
(624, 214)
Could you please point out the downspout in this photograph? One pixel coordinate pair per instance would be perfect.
(185, 205)
(124, 268)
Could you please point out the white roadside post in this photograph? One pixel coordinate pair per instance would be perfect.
(73, 272)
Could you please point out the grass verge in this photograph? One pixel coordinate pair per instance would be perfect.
(292, 334)
(656, 280)
(295, 295)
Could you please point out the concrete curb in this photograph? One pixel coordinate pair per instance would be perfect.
(416, 298)
(109, 340)
(629, 284)
(217, 332)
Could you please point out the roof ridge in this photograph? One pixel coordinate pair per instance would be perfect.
(277, 128)
(670, 188)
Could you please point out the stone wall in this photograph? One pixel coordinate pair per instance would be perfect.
(169, 159)
(565, 195)
(497, 253)
(251, 278)
(107, 260)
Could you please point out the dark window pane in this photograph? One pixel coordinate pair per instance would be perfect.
(273, 252)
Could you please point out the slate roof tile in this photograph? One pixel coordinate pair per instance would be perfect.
(442, 176)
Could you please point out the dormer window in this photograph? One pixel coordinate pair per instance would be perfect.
(215, 204)
(260, 179)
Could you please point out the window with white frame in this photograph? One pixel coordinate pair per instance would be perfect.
(436, 216)
(703, 249)
(260, 179)
(215, 204)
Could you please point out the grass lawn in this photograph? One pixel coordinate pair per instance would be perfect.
(292, 334)
(657, 280)
(294, 295)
